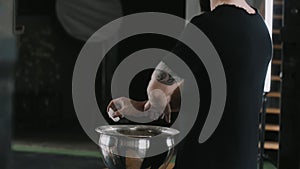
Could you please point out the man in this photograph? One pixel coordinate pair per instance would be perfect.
(242, 41)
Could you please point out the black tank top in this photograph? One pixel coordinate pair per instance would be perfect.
(244, 46)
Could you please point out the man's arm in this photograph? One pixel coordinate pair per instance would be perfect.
(164, 79)
(163, 97)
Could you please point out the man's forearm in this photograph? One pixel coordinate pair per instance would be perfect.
(169, 83)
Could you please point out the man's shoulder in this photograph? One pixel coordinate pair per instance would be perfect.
(203, 19)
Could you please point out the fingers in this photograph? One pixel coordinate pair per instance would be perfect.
(117, 114)
(167, 114)
(116, 105)
(113, 109)
(112, 115)
(147, 106)
(112, 106)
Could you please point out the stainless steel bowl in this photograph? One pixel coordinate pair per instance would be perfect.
(137, 146)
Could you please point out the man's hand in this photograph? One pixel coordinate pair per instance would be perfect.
(123, 106)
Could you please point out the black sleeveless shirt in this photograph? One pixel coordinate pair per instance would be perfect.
(244, 46)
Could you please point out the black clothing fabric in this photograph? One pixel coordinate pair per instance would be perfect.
(244, 46)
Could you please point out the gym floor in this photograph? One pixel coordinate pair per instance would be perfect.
(29, 160)
(33, 149)
(37, 157)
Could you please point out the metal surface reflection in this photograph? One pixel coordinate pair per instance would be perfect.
(129, 146)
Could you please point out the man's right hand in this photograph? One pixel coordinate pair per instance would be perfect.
(144, 109)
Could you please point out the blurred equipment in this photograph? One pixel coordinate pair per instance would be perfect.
(81, 19)
(290, 111)
(262, 132)
(194, 8)
(7, 60)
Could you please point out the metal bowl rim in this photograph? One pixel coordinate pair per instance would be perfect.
(106, 129)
